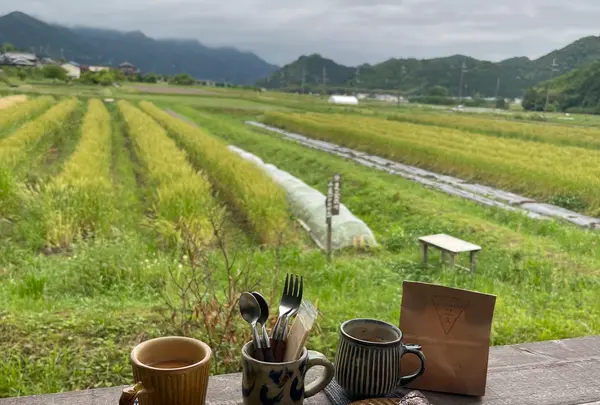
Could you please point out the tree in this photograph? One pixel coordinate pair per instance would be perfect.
(103, 78)
(501, 103)
(530, 100)
(54, 72)
(437, 91)
(183, 79)
(7, 48)
(150, 78)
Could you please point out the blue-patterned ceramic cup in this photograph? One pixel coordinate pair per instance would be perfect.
(367, 362)
(282, 383)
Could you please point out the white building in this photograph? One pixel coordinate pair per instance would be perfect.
(388, 98)
(98, 68)
(343, 100)
(74, 72)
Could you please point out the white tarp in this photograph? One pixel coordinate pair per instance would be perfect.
(309, 205)
(345, 100)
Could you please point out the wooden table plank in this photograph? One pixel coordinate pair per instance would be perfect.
(449, 243)
(558, 372)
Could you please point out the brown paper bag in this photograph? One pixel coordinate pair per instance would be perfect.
(453, 327)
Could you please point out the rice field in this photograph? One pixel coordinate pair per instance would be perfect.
(8, 101)
(106, 208)
(15, 113)
(566, 135)
(541, 170)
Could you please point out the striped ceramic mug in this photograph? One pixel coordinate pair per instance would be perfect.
(367, 363)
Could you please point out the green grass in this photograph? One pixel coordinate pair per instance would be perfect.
(68, 321)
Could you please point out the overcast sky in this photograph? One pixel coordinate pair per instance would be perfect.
(348, 31)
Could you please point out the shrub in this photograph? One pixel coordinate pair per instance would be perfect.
(54, 72)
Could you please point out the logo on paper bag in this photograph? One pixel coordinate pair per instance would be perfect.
(448, 310)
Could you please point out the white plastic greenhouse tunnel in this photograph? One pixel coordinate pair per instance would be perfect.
(308, 205)
(344, 100)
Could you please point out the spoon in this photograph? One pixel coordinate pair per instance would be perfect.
(250, 310)
(264, 315)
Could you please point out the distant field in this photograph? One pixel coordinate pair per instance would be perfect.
(532, 168)
(105, 207)
(542, 132)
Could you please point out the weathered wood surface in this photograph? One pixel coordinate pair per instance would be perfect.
(560, 372)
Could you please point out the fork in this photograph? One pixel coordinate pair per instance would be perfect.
(288, 306)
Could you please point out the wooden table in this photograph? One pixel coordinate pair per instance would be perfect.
(451, 246)
(557, 372)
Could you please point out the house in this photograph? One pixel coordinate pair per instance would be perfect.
(344, 100)
(49, 61)
(73, 70)
(128, 69)
(19, 59)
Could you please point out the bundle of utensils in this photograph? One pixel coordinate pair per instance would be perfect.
(285, 343)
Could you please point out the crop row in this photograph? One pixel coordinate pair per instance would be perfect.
(181, 196)
(19, 112)
(549, 133)
(16, 147)
(79, 199)
(243, 185)
(533, 168)
(8, 101)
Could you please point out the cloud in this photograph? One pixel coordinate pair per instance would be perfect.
(348, 31)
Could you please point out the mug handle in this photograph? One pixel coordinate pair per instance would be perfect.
(318, 359)
(131, 393)
(416, 350)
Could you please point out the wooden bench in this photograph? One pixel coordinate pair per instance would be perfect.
(450, 246)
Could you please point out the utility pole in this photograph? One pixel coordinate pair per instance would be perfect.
(357, 80)
(402, 73)
(497, 88)
(325, 79)
(303, 79)
(282, 79)
(463, 70)
(554, 69)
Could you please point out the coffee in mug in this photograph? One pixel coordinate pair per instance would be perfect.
(169, 370)
(367, 363)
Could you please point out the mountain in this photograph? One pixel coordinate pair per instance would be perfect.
(575, 91)
(108, 47)
(510, 77)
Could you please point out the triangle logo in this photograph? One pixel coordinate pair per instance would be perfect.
(448, 310)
